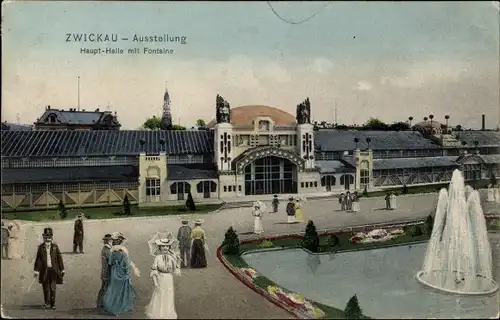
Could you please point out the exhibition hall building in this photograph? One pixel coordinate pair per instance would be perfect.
(83, 158)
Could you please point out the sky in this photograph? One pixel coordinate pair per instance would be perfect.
(365, 59)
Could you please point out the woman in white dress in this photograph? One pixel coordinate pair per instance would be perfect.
(491, 194)
(14, 238)
(257, 213)
(392, 200)
(166, 264)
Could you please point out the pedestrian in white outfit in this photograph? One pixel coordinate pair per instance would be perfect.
(166, 264)
(257, 213)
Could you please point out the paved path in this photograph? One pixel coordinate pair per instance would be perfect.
(200, 294)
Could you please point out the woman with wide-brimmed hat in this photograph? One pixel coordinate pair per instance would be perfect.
(120, 295)
(165, 264)
(14, 247)
(198, 256)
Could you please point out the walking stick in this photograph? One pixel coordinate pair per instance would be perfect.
(32, 282)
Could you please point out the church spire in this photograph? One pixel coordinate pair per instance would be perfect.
(166, 119)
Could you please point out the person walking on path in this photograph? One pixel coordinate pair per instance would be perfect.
(49, 268)
(105, 268)
(78, 234)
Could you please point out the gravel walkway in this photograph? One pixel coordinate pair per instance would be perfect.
(211, 293)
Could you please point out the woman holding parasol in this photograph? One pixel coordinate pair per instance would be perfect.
(166, 263)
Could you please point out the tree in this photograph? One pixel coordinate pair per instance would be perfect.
(155, 123)
(231, 243)
(399, 126)
(405, 189)
(458, 127)
(352, 309)
(126, 206)
(375, 124)
(61, 208)
(200, 123)
(190, 202)
(429, 222)
(310, 241)
(493, 180)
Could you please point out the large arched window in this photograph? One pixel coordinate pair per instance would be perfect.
(364, 174)
(347, 180)
(206, 187)
(328, 181)
(180, 188)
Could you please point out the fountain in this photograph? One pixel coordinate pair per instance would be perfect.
(458, 258)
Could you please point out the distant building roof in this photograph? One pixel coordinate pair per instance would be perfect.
(485, 138)
(338, 140)
(12, 126)
(96, 143)
(332, 166)
(70, 174)
(76, 117)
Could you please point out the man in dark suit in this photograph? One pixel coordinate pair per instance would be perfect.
(78, 235)
(105, 268)
(49, 268)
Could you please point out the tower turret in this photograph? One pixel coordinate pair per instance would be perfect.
(166, 118)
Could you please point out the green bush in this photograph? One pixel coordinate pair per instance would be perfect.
(405, 189)
(352, 309)
(429, 223)
(493, 180)
(310, 241)
(190, 202)
(266, 244)
(416, 231)
(61, 208)
(231, 242)
(126, 206)
(333, 240)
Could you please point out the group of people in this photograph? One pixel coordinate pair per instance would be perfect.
(117, 294)
(293, 211)
(10, 240)
(349, 202)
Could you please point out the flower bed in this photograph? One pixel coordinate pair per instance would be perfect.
(296, 302)
(249, 273)
(377, 235)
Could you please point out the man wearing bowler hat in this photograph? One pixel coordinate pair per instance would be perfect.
(105, 268)
(78, 234)
(49, 268)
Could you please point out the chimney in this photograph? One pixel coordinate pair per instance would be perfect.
(483, 122)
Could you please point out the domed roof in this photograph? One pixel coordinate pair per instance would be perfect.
(245, 115)
(428, 124)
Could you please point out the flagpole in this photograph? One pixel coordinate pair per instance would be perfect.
(78, 93)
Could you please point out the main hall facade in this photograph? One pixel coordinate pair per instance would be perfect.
(249, 150)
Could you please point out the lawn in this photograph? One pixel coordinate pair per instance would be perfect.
(326, 245)
(108, 212)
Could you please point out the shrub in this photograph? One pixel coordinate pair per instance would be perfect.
(493, 180)
(365, 192)
(266, 244)
(231, 242)
(405, 189)
(310, 241)
(190, 202)
(126, 206)
(61, 208)
(416, 232)
(352, 309)
(333, 240)
(429, 223)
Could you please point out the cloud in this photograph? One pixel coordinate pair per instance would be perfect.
(322, 65)
(274, 72)
(422, 74)
(363, 86)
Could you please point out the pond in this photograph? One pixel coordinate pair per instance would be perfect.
(383, 280)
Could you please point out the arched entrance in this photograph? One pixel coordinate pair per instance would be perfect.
(270, 175)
